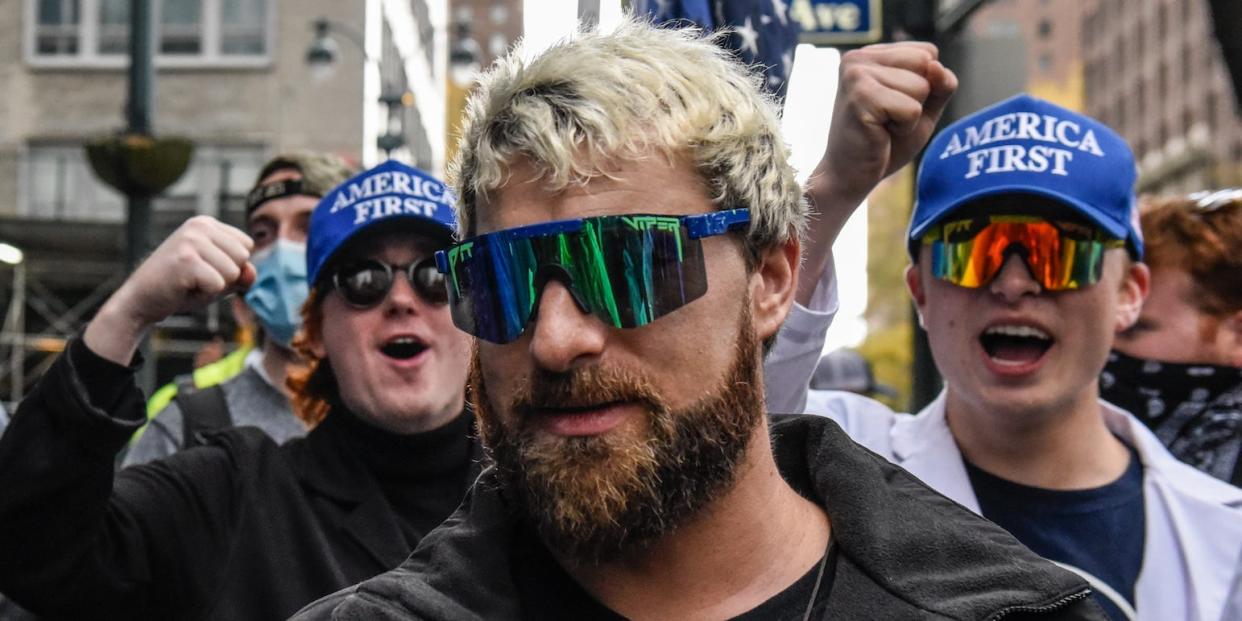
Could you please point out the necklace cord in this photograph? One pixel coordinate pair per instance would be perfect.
(823, 563)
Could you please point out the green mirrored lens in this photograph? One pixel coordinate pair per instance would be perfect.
(626, 270)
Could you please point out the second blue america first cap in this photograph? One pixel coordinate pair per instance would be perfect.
(1025, 145)
(389, 194)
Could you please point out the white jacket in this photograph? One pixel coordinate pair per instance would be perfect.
(1193, 545)
(1193, 542)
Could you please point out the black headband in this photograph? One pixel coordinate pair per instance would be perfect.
(274, 190)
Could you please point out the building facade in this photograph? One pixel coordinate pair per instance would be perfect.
(1026, 45)
(233, 77)
(1154, 72)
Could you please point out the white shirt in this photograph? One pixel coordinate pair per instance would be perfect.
(788, 367)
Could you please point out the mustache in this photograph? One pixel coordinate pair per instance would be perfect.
(582, 387)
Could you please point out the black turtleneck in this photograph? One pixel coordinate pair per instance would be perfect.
(423, 476)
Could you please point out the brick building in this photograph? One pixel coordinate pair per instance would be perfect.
(232, 76)
(1153, 71)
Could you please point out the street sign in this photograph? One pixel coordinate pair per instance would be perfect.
(838, 22)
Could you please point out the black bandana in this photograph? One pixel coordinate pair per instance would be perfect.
(1195, 409)
(274, 190)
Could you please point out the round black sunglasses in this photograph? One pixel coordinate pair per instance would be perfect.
(365, 283)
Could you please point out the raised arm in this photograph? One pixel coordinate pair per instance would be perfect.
(889, 99)
(73, 544)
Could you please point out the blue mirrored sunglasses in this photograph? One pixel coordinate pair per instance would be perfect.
(627, 270)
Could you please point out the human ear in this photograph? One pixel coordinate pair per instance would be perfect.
(773, 285)
(915, 285)
(1135, 284)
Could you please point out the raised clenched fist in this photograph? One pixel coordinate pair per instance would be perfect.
(203, 259)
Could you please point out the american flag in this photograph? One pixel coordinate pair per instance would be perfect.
(763, 32)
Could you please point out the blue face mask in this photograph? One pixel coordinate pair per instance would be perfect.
(279, 289)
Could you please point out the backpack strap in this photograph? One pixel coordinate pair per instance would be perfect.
(185, 383)
(202, 410)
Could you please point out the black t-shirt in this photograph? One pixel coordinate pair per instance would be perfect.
(548, 592)
(1098, 531)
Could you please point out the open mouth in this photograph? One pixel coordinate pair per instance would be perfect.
(403, 348)
(1015, 345)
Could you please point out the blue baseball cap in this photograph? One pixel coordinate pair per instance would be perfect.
(1025, 145)
(391, 194)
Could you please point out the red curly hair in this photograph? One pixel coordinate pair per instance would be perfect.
(1205, 241)
(313, 387)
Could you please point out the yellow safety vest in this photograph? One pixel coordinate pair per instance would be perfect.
(207, 375)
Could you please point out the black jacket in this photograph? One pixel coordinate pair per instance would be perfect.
(904, 551)
(238, 529)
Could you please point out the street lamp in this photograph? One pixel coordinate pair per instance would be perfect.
(11, 254)
(15, 320)
(322, 54)
(321, 57)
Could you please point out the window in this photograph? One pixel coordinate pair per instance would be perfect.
(1162, 82)
(56, 31)
(181, 27)
(1045, 28)
(1002, 28)
(215, 183)
(1213, 115)
(497, 45)
(1187, 62)
(426, 29)
(243, 27)
(187, 32)
(113, 27)
(1091, 93)
(1119, 59)
(60, 185)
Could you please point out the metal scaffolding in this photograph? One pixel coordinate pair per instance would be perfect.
(38, 349)
(49, 297)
